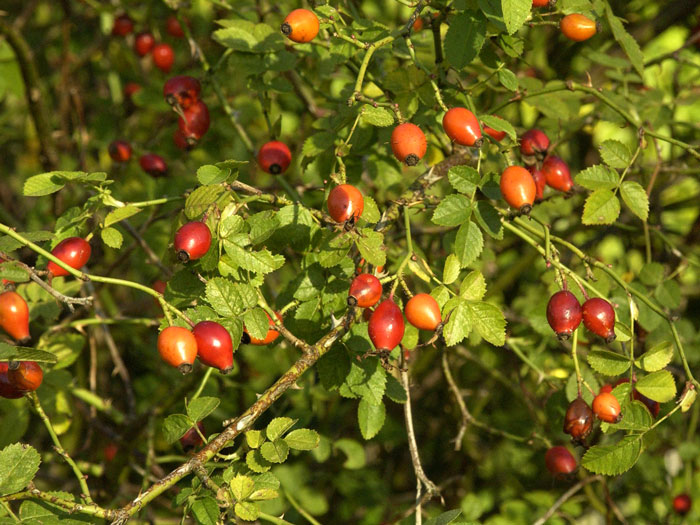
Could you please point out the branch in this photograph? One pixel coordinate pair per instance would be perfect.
(565, 497)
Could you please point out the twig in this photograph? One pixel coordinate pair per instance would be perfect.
(460, 402)
(565, 497)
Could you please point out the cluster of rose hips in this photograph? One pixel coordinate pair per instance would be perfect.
(145, 43)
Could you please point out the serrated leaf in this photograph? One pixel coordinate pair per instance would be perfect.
(515, 12)
(302, 439)
(598, 177)
(22, 353)
(473, 287)
(242, 487)
(615, 154)
(256, 462)
(275, 451)
(370, 212)
(465, 37)
(453, 210)
(608, 363)
(459, 323)
(112, 237)
(254, 438)
(248, 37)
(508, 79)
(317, 144)
(464, 179)
(256, 323)
(395, 390)
(489, 219)
(626, 41)
(200, 199)
(371, 246)
(448, 517)
(468, 243)
(263, 495)
(601, 207)
(371, 418)
(636, 199)
(43, 184)
(657, 386)
(19, 464)
(613, 460)
(120, 214)
(278, 427)
(205, 511)
(260, 261)
(201, 407)
(451, 270)
(499, 124)
(13, 272)
(210, 174)
(656, 358)
(229, 299)
(489, 322)
(175, 426)
(334, 248)
(247, 510)
(378, 116)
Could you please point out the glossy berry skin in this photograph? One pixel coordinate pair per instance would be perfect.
(417, 25)
(544, 3)
(191, 439)
(518, 188)
(214, 346)
(345, 203)
(143, 43)
(365, 291)
(386, 326)
(180, 140)
(178, 347)
(25, 376)
(423, 312)
(119, 150)
(599, 318)
(498, 136)
(534, 142)
(301, 26)
(540, 181)
(560, 462)
(578, 421)
(73, 251)
(577, 27)
(195, 122)
(14, 316)
(607, 408)
(7, 389)
(408, 143)
(564, 314)
(163, 57)
(274, 157)
(173, 27)
(123, 25)
(271, 335)
(682, 504)
(192, 241)
(557, 174)
(462, 126)
(183, 90)
(154, 165)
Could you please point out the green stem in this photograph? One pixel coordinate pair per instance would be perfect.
(206, 377)
(574, 355)
(300, 510)
(100, 404)
(273, 519)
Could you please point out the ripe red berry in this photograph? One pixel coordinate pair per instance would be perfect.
(557, 174)
(367, 314)
(274, 157)
(365, 291)
(25, 376)
(192, 241)
(540, 181)
(196, 121)
(7, 389)
(119, 150)
(461, 125)
(183, 90)
(153, 164)
(498, 136)
(163, 57)
(560, 461)
(271, 335)
(577, 27)
(408, 143)
(534, 143)
(578, 421)
(518, 188)
(192, 438)
(564, 314)
(607, 408)
(180, 140)
(423, 312)
(417, 25)
(173, 27)
(73, 251)
(214, 346)
(386, 326)
(130, 88)
(606, 389)
(599, 318)
(682, 504)
(178, 347)
(110, 451)
(345, 203)
(14, 316)
(123, 25)
(544, 3)
(143, 43)
(301, 25)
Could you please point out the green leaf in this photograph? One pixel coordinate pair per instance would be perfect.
(371, 246)
(508, 79)
(242, 487)
(602, 207)
(489, 219)
(378, 116)
(395, 390)
(120, 214)
(275, 451)
(464, 179)
(19, 464)
(13, 272)
(210, 174)
(626, 41)
(206, 511)
(229, 299)
(254, 438)
(489, 322)
(242, 35)
(247, 510)
(371, 418)
(468, 243)
(21, 353)
(453, 210)
(465, 37)
(515, 12)
(450, 272)
(112, 238)
(200, 199)
(446, 518)
(598, 177)
(499, 124)
(473, 287)
(64, 346)
(256, 322)
(613, 460)
(317, 144)
(459, 323)
(278, 427)
(256, 462)
(302, 439)
(615, 154)
(43, 184)
(367, 379)
(636, 199)
(8, 244)
(175, 426)
(354, 452)
(608, 363)
(657, 386)
(635, 417)
(656, 358)
(201, 407)
(263, 495)
(370, 212)
(334, 248)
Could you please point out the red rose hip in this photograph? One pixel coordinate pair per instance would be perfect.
(14, 316)
(214, 345)
(540, 181)
(682, 504)
(345, 203)
(25, 376)
(7, 389)
(564, 314)
(599, 318)
(462, 126)
(559, 461)
(607, 407)
(365, 291)
(195, 122)
(534, 143)
(301, 25)
(192, 241)
(119, 151)
(274, 157)
(386, 326)
(153, 164)
(143, 43)
(183, 90)
(73, 251)
(578, 421)
(163, 57)
(423, 312)
(518, 188)
(123, 25)
(408, 143)
(557, 174)
(178, 347)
